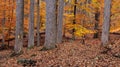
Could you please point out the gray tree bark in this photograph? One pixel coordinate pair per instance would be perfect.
(31, 25)
(50, 36)
(38, 23)
(106, 23)
(60, 20)
(3, 25)
(19, 26)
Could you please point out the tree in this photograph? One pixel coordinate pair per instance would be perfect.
(19, 26)
(60, 20)
(96, 26)
(31, 25)
(3, 26)
(50, 32)
(74, 21)
(106, 23)
(38, 22)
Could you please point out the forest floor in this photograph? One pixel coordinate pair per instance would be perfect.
(68, 54)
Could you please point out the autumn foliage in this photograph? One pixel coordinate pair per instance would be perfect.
(84, 21)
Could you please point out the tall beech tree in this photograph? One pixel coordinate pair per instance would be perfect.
(38, 22)
(3, 26)
(60, 20)
(106, 23)
(19, 26)
(51, 22)
(31, 25)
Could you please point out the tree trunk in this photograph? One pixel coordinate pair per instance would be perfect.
(19, 26)
(60, 20)
(74, 21)
(3, 25)
(38, 23)
(96, 26)
(31, 25)
(50, 36)
(106, 24)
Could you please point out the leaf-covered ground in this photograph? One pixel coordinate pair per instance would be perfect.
(69, 54)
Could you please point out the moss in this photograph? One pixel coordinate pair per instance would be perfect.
(50, 48)
(30, 47)
(13, 54)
